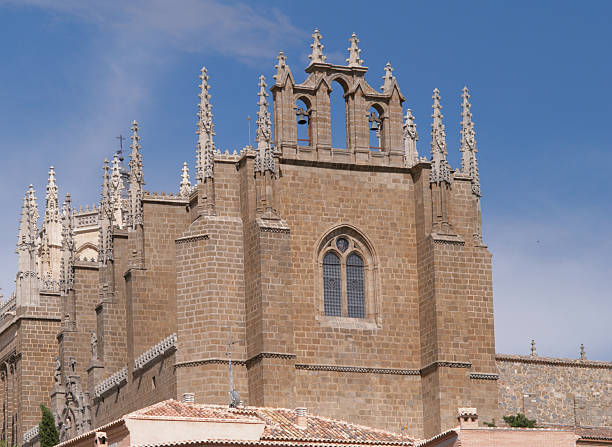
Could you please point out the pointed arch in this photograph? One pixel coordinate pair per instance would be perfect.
(345, 253)
(338, 113)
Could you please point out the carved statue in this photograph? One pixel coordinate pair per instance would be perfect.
(57, 372)
(94, 345)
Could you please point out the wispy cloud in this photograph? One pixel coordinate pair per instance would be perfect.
(133, 45)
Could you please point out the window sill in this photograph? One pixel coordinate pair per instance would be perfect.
(348, 323)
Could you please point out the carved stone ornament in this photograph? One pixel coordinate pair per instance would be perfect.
(264, 160)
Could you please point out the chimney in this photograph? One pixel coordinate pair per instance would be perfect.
(100, 440)
(188, 398)
(302, 420)
(468, 417)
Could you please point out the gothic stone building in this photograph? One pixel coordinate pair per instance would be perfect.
(352, 281)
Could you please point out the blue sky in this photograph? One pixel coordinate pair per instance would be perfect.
(75, 74)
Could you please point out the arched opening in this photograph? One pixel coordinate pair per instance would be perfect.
(304, 129)
(338, 115)
(375, 123)
(347, 275)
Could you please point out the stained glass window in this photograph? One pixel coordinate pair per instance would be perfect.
(331, 285)
(355, 286)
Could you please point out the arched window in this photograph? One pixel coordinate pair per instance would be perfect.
(302, 112)
(338, 108)
(348, 275)
(332, 284)
(375, 125)
(355, 292)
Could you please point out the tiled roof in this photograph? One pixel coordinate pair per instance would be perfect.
(171, 409)
(281, 424)
(594, 432)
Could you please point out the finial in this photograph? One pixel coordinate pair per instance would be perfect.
(185, 185)
(440, 170)
(533, 349)
(281, 67)
(353, 59)
(387, 78)
(582, 352)
(264, 161)
(205, 131)
(316, 56)
(410, 135)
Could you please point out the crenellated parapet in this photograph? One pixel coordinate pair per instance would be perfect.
(167, 345)
(110, 383)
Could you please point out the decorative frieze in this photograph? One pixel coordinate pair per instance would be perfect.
(357, 369)
(189, 239)
(484, 376)
(110, 383)
(162, 348)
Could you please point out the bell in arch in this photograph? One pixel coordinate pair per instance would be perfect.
(374, 122)
(302, 116)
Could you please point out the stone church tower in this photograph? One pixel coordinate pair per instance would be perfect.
(349, 280)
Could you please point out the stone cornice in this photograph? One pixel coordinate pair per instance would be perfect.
(359, 369)
(194, 238)
(484, 376)
(208, 361)
(269, 355)
(217, 360)
(443, 364)
(351, 166)
(165, 199)
(552, 361)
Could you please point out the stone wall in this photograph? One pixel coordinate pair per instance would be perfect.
(556, 391)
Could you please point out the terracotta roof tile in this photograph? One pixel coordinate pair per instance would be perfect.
(281, 423)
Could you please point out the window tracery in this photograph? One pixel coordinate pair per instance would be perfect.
(347, 272)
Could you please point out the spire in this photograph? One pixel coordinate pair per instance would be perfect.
(185, 185)
(387, 78)
(105, 218)
(205, 131)
(68, 246)
(316, 56)
(533, 349)
(51, 206)
(353, 59)
(440, 171)
(136, 180)
(115, 191)
(469, 163)
(582, 352)
(264, 160)
(410, 135)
